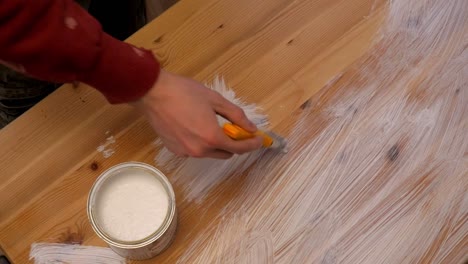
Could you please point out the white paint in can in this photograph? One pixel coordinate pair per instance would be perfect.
(131, 206)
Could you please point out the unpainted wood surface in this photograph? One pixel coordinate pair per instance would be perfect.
(346, 193)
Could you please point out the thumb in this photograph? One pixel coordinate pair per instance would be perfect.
(233, 113)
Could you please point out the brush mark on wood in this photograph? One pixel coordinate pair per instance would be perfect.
(309, 205)
(335, 197)
(45, 253)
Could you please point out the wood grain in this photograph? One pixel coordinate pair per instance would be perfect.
(369, 178)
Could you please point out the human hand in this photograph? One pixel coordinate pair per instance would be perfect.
(183, 114)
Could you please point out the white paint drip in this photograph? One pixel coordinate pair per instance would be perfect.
(106, 148)
(131, 205)
(47, 253)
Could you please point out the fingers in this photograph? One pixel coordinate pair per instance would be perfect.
(222, 147)
(237, 116)
(176, 150)
(219, 154)
(232, 112)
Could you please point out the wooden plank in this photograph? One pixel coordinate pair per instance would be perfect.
(313, 67)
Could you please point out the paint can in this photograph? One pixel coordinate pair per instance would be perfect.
(131, 206)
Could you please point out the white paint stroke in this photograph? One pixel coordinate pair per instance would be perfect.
(106, 148)
(252, 111)
(377, 173)
(244, 246)
(46, 253)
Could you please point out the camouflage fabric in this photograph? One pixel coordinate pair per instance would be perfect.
(18, 93)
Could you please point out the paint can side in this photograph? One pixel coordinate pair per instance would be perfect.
(151, 250)
(150, 246)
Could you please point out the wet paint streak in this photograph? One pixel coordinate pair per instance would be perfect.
(383, 181)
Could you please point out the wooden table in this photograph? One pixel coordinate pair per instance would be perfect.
(378, 167)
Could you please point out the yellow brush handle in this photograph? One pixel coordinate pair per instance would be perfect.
(238, 133)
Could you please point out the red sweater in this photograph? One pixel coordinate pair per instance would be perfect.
(57, 40)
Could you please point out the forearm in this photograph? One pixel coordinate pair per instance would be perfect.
(57, 40)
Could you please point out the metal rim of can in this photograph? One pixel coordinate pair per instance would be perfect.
(155, 235)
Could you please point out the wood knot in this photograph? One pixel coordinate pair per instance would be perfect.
(305, 105)
(158, 40)
(290, 42)
(94, 166)
(393, 153)
(73, 238)
(221, 26)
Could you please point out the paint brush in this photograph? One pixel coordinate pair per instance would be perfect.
(270, 139)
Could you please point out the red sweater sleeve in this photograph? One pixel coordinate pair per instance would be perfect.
(57, 40)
